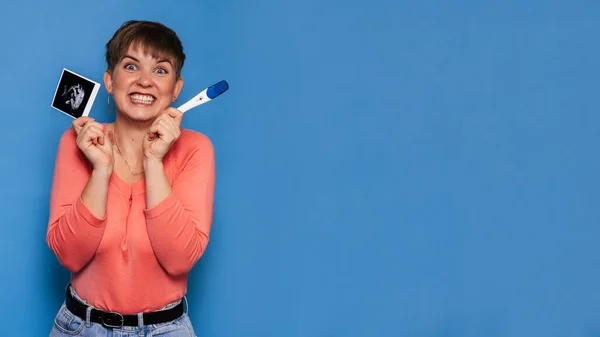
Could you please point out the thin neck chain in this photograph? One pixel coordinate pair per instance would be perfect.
(123, 154)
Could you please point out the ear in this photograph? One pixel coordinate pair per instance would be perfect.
(108, 82)
(178, 86)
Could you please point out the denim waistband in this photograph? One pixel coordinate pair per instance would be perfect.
(168, 306)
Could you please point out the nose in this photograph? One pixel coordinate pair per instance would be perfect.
(145, 80)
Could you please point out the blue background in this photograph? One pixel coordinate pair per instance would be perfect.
(385, 168)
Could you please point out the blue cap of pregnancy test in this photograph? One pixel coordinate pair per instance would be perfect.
(217, 89)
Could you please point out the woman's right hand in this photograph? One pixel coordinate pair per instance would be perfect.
(94, 144)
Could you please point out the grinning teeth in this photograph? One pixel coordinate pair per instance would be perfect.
(142, 98)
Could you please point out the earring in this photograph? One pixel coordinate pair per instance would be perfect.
(110, 110)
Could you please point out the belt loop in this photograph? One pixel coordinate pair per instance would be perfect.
(88, 316)
(141, 323)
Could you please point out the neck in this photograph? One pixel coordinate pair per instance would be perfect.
(129, 137)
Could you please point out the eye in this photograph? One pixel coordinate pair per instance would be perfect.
(130, 66)
(161, 71)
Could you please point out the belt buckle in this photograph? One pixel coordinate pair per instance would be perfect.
(112, 320)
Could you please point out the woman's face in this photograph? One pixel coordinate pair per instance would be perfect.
(142, 86)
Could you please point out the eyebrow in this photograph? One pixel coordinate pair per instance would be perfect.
(159, 61)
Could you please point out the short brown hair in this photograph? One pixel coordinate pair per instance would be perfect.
(154, 37)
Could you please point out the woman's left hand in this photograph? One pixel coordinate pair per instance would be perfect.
(162, 134)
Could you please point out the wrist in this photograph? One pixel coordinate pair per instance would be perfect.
(151, 162)
(103, 173)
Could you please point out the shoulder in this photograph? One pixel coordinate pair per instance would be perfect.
(191, 141)
(67, 147)
(68, 134)
(191, 147)
(68, 140)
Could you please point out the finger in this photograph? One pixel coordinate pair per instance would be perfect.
(161, 132)
(153, 130)
(173, 123)
(99, 130)
(164, 115)
(93, 133)
(83, 132)
(168, 130)
(106, 145)
(166, 124)
(80, 122)
(93, 137)
(170, 114)
(91, 126)
(176, 115)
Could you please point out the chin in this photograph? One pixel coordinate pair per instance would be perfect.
(141, 117)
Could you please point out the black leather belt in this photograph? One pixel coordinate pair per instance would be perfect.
(116, 320)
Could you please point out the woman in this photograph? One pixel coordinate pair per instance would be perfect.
(131, 201)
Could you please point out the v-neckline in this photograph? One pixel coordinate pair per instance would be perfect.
(138, 187)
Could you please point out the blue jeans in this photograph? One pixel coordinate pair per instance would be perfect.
(67, 324)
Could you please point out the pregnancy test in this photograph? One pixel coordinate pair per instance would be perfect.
(205, 95)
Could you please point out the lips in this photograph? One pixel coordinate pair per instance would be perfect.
(144, 99)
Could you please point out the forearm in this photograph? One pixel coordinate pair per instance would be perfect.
(95, 193)
(176, 233)
(77, 207)
(179, 210)
(176, 236)
(158, 187)
(76, 234)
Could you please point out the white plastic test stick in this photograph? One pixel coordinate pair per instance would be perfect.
(205, 95)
